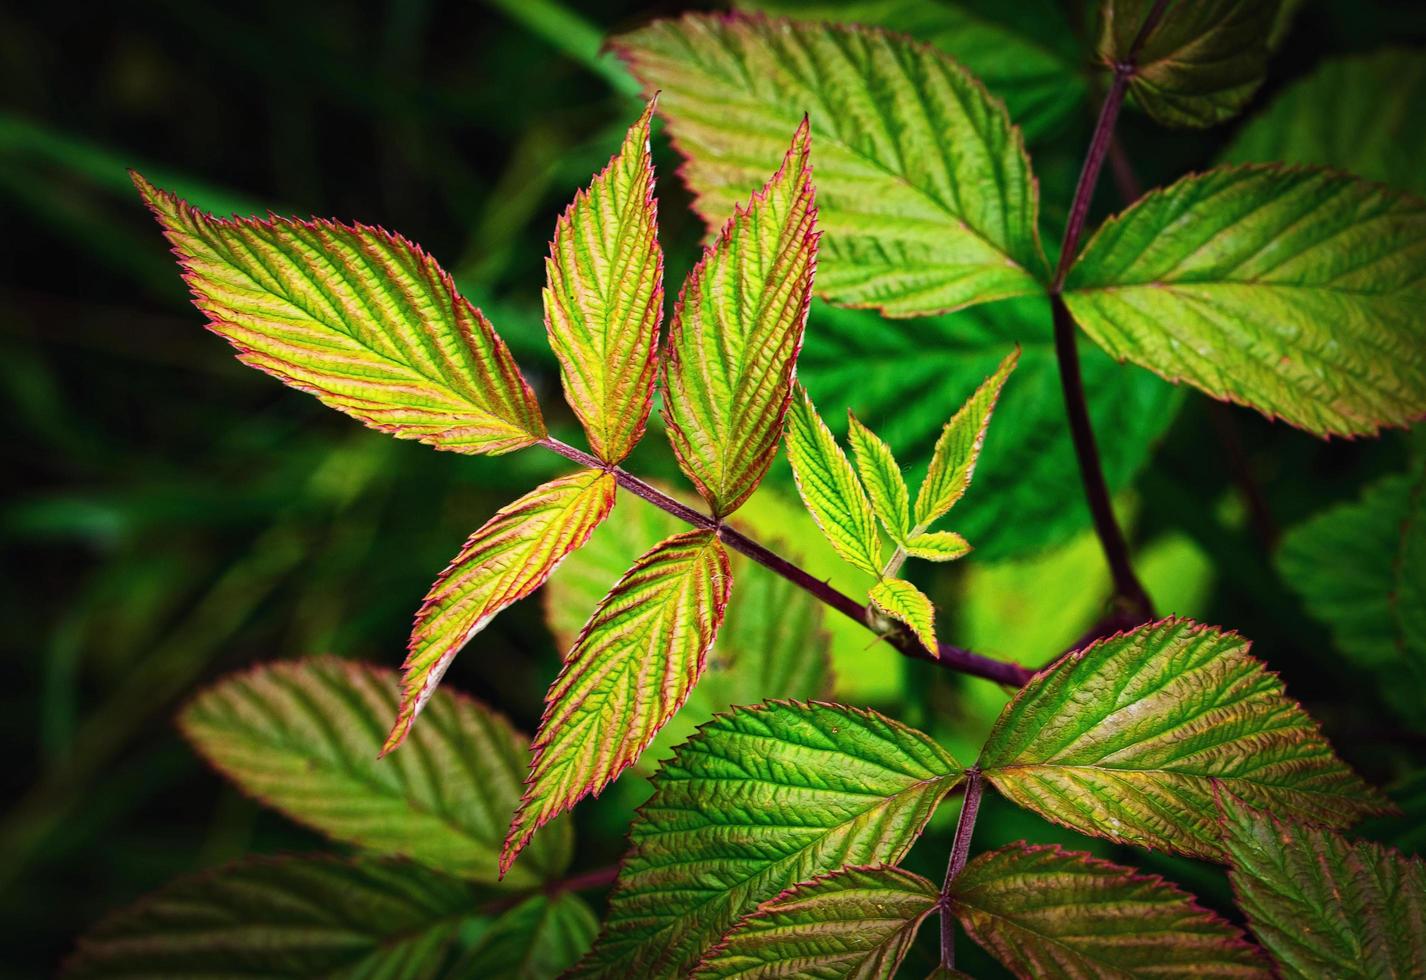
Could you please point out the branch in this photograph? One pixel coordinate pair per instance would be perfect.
(946, 655)
(960, 853)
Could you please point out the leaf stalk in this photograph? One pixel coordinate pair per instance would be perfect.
(960, 853)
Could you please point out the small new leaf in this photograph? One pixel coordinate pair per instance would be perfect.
(285, 917)
(829, 487)
(1198, 64)
(302, 737)
(632, 667)
(506, 560)
(1046, 912)
(604, 298)
(737, 328)
(958, 448)
(937, 546)
(907, 604)
(858, 922)
(1296, 292)
(357, 316)
(760, 799)
(1322, 905)
(1124, 738)
(881, 477)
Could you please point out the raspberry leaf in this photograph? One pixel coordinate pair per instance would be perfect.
(881, 477)
(903, 602)
(829, 487)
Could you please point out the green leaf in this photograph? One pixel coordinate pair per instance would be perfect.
(1296, 292)
(1046, 912)
(1122, 740)
(1408, 601)
(1346, 564)
(290, 917)
(901, 377)
(829, 487)
(536, 940)
(937, 546)
(881, 477)
(1025, 53)
(925, 191)
(905, 603)
(958, 448)
(1322, 905)
(507, 559)
(858, 922)
(1360, 114)
(736, 331)
(604, 298)
(302, 737)
(632, 667)
(761, 799)
(359, 317)
(1200, 64)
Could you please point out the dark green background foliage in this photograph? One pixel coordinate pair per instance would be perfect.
(169, 515)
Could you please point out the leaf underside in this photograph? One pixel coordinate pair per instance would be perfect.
(1046, 912)
(858, 922)
(504, 561)
(761, 799)
(630, 670)
(289, 917)
(302, 737)
(359, 317)
(604, 298)
(926, 197)
(829, 487)
(1321, 904)
(1124, 739)
(1297, 292)
(907, 604)
(737, 328)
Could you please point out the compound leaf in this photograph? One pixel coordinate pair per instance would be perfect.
(858, 922)
(631, 668)
(760, 799)
(1295, 292)
(958, 448)
(1042, 911)
(1123, 739)
(937, 546)
(506, 560)
(536, 940)
(302, 737)
(604, 298)
(881, 477)
(1321, 904)
(1199, 64)
(926, 194)
(737, 328)
(829, 487)
(359, 317)
(290, 917)
(907, 604)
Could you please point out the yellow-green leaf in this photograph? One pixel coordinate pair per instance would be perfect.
(854, 923)
(937, 546)
(881, 476)
(1297, 292)
(958, 448)
(604, 298)
(736, 331)
(632, 667)
(907, 604)
(829, 486)
(359, 317)
(1125, 739)
(927, 196)
(504, 561)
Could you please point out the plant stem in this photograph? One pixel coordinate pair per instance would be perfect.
(585, 880)
(960, 853)
(946, 655)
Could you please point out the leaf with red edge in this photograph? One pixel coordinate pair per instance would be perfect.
(504, 561)
(604, 297)
(1046, 912)
(632, 667)
(359, 317)
(1124, 739)
(737, 328)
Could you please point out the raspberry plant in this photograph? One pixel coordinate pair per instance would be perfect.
(879, 173)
